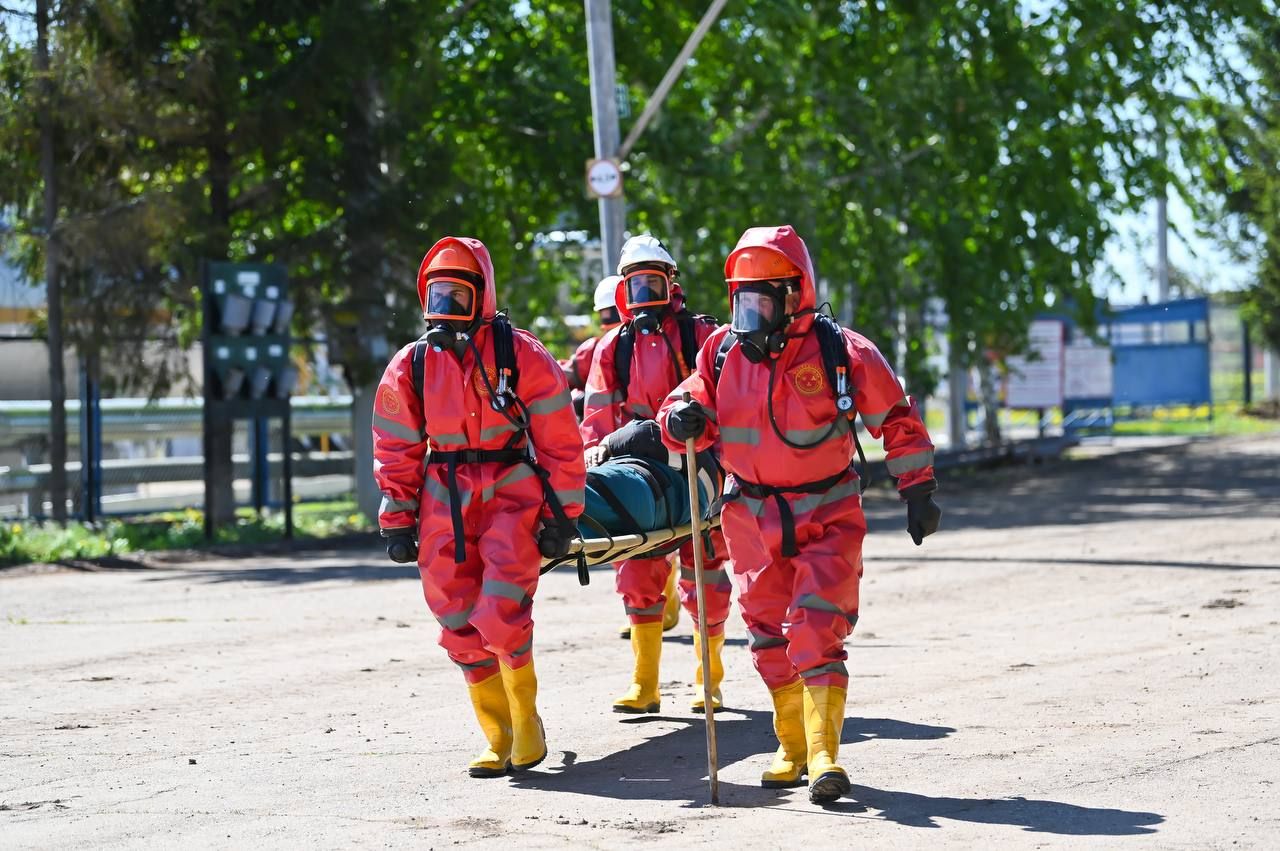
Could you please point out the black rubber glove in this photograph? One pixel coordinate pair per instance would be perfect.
(687, 419)
(554, 538)
(922, 513)
(401, 547)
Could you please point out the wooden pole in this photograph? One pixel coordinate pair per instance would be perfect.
(699, 578)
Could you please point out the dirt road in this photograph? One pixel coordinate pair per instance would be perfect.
(1088, 655)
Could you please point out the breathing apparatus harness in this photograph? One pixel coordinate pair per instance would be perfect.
(506, 401)
(835, 364)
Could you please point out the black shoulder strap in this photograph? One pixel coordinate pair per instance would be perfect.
(418, 367)
(722, 354)
(687, 323)
(623, 349)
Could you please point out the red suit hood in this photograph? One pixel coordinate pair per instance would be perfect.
(488, 298)
(784, 240)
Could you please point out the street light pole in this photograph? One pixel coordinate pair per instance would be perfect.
(604, 120)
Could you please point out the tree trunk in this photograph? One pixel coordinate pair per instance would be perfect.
(368, 497)
(990, 403)
(53, 285)
(218, 442)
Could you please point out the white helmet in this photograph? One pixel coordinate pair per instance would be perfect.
(606, 292)
(644, 249)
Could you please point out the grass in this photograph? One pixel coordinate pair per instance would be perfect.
(1228, 419)
(21, 543)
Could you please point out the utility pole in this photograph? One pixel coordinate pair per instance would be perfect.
(1162, 223)
(604, 121)
(53, 284)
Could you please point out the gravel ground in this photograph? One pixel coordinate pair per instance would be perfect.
(1085, 656)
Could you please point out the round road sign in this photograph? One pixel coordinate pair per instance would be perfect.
(604, 179)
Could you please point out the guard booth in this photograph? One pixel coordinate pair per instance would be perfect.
(1161, 355)
(247, 372)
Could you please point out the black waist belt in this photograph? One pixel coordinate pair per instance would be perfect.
(788, 519)
(470, 456)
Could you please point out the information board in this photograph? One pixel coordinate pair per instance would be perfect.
(1035, 381)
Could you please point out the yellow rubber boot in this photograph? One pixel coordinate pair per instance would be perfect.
(528, 739)
(716, 644)
(643, 696)
(823, 723)
(790, 762)
(671, 610)
(489, 699)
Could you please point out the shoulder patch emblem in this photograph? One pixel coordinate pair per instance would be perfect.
(390, 401)
(808, 379)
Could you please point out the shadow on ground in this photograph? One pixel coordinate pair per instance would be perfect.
(1204, 479)
(671, 766)
(1035, 816)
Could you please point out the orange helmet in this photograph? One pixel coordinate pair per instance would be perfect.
(761, 264)
(454, 257)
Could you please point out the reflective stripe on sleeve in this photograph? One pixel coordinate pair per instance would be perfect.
(390, 504)
(398, 429)
(551, 405)
(877, 420)
(907, 463)
(576, 495)
(599, 399)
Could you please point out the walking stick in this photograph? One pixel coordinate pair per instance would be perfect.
(699, 578)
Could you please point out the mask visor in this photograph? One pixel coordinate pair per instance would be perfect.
(756, 310)
(646, 288)
(450, 298)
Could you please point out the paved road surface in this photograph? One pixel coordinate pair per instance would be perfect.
(1086, 656)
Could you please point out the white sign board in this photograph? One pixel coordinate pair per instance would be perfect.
(1036, 381)
(604, 179)
(1088, 371)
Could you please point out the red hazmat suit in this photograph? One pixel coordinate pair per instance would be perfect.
(657, 365)
(484, 603)
(798, 608)
(578, 366)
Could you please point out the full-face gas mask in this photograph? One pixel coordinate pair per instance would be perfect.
(760, 317)
(647, 295)
(452, 303)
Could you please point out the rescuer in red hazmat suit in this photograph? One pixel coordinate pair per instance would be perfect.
(578, 365)
(479, 513)
(793, 512)
(656, 333)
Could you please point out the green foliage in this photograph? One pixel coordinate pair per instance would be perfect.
(49, 542)
(971, 153)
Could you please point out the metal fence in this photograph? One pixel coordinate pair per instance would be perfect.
(152, 450)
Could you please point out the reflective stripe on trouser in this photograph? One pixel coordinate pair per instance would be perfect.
(798, 610)
(719, 584)
(642, 582)
(484, 605)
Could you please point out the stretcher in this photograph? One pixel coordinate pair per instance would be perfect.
(590, 552)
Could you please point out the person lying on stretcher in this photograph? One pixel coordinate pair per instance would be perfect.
(637, 485)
